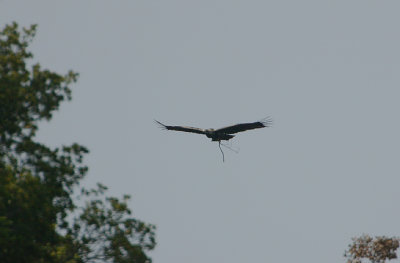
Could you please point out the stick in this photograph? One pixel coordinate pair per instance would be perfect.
(223, 157)
(230, 148)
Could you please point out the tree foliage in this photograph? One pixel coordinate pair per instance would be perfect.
(376, 250)
(37, 183)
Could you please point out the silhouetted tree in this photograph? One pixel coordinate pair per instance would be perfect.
(37, 183)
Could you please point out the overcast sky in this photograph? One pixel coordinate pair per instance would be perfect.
(327, 72)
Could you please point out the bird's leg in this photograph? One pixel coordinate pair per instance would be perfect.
(223, 157)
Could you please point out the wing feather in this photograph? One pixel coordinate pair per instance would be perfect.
(181, 128)
(267, 122)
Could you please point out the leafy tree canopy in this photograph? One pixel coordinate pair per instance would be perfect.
(39, 218)
(376, 250)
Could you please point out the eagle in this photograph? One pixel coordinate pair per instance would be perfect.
(221, 134)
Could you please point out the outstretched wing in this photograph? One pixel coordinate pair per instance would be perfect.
(181, 128)
(267, 122)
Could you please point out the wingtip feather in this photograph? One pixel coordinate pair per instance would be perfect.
(267, 122)
(162, 126)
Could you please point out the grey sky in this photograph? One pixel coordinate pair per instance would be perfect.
(326, 71)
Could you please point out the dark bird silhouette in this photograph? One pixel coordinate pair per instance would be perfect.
(221, 134)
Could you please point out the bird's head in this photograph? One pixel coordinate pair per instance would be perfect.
(209, 131)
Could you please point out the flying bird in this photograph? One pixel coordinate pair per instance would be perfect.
(221, 134)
